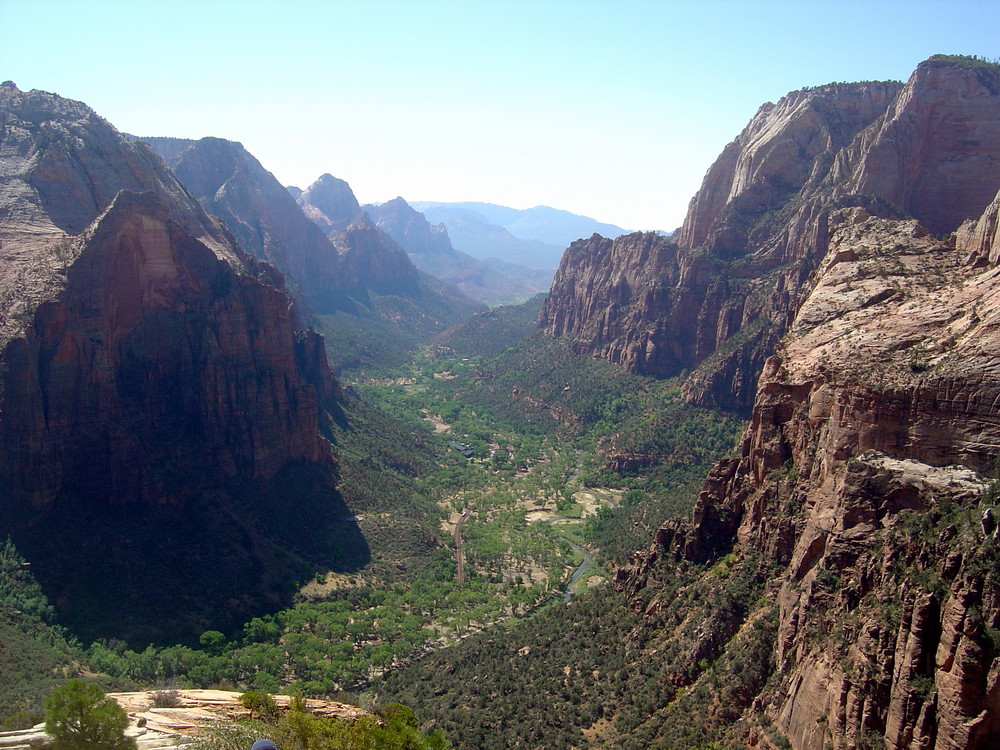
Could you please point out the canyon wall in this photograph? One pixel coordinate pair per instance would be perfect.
(155, 384)
(867, 478)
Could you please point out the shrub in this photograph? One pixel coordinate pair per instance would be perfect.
(260, 704)
(78, 715)
(166, 699)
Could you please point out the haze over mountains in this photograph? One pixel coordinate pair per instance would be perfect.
(533, 237)
(166, 404)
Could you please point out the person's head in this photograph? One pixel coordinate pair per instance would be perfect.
(263, 745)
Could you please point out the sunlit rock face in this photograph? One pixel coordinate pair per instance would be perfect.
(865, 474)
(716, 304)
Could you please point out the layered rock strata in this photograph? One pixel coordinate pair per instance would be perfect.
(759, 226)
(136, 330)
(866, 476)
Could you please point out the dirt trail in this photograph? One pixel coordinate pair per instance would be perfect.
(459, 559)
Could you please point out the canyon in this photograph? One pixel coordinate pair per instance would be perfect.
(866, 475)
(836, 281)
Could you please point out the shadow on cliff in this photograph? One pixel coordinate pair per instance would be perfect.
(223, 553)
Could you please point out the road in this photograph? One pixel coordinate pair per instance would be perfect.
(459, 559)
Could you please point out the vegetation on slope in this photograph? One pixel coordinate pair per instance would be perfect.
(604, 671)
(542, 426)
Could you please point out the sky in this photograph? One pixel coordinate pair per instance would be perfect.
(614, 109)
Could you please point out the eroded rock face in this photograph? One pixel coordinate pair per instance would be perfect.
(330, 203)
(862, 475)
(150, 338)
(410, 228)
(866, 474)
(935, 153)
(786, 147)
(265, 219)
(154, 353)
(153, 386)
(717, 301)
(760, 224)
(642, 302)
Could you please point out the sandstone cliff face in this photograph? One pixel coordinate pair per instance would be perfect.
(759, 226)
(720, 299)
(148, 330)
(265, 219)
(642, 302)
(863, 476)
(867, 475)
(787, 146)
(935, 153)
(981, 238)
(151, 377)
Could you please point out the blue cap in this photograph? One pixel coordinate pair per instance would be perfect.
(263, 745)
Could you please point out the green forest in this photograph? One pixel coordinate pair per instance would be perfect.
(515, 450)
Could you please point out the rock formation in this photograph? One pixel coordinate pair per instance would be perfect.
(758, 227)
(265, 219)
(189, 716)
(329, 203)
(430, 249)
(867, 475)
(642, 302)
(145, 357)
(376, 278)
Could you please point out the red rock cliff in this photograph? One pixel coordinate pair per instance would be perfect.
(867, 475)
(137, 335)
(759, 226)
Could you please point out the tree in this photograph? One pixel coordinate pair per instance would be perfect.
(78, 715)
(260, 702)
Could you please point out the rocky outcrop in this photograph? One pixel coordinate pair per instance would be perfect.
(151, 336)
(330, 203)
(759, 227)
(152, 376)
(188, 716)
(865, 477)
(980, 239)
(265, 219)
(787, 147)
(935, 153)
(410, 228)
(643, 302)
(430, 249)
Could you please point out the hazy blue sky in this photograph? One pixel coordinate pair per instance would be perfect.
(610, 109)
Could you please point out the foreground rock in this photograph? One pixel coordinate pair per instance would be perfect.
(178, 726)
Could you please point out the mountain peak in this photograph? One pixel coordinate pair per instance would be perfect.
(333, 197)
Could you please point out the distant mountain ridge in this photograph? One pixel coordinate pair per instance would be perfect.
(431, 250)
(534, 237)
